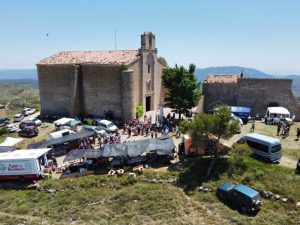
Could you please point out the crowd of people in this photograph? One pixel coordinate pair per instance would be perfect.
(283, 129)
(151, 126)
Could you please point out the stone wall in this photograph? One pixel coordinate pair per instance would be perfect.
(218, 93)
(259, 93)
(55, 84)
(102, 89)
(93, 89)
(73, 90)
(128, 95)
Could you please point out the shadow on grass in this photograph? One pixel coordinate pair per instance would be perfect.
(233, 206)
(193, 171)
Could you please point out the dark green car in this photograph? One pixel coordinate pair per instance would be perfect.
(245, 198)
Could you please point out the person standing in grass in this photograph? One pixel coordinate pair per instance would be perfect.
(278, 129)
(298, 134)
(253, 126)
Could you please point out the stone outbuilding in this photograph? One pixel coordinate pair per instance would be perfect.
(90, 83)
(257, 94)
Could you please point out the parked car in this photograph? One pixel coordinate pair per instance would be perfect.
(36, 121)
(11, 127)
(28, 111)
(234, 118)
(245, 198)
(18, 117)
(107, 125)
(30, 131)
(4, 121)
(96, 129)
(26, 123)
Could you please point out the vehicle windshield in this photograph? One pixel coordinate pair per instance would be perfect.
(98, 129)
(255, 198)
(110, 125)
(276, 148)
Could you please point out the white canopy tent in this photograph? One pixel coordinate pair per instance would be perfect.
(62, 121)
(9, 141)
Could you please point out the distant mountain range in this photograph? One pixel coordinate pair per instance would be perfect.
(28, 77)
(202, 74)
(248, 72)
(18, 74)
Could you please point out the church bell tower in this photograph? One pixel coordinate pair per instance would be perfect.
(148, 70)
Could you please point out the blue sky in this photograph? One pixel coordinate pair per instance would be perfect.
(261, 34)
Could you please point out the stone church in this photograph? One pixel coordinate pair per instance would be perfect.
(90, 83)
(257, 94)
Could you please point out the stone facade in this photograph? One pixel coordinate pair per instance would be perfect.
(91, 83)
(257, 94)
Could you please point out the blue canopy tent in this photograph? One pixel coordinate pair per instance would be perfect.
(241, 112)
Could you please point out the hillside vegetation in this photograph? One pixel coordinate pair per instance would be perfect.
(16, 96)
(152, 199)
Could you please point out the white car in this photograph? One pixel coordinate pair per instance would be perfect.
(18, 117)
(107, 125)
(94, 129)
(235, 118)
(36, 121)
(11, 127)
(28, 111)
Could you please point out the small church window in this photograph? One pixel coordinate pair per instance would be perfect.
(148, 85)
(150, 42)
(149, 68)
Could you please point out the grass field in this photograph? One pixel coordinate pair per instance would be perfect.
(44, 130)
(290, 146)
(98, 199)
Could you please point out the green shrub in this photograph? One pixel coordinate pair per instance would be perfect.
(3, 130)
(89, 121)
(241, 149)
(259, 174)
(139, 110)
(248, 177)
(129, 181)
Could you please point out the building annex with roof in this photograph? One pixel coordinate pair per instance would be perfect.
(90, 83)
(255, 93)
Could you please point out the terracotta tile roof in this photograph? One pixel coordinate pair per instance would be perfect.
(222, 78)
(92, 57)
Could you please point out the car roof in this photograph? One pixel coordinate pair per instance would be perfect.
(226, 186)
(18, 115)
(246, 190)
(29, 127)
(105, 122)
(89, 126)
(27, 121)
(263, 138)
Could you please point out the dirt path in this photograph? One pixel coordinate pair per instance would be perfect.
(288, 162)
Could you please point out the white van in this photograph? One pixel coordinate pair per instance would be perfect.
(279, 112)
(263, 146)
(59, 134)
(27, 164)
